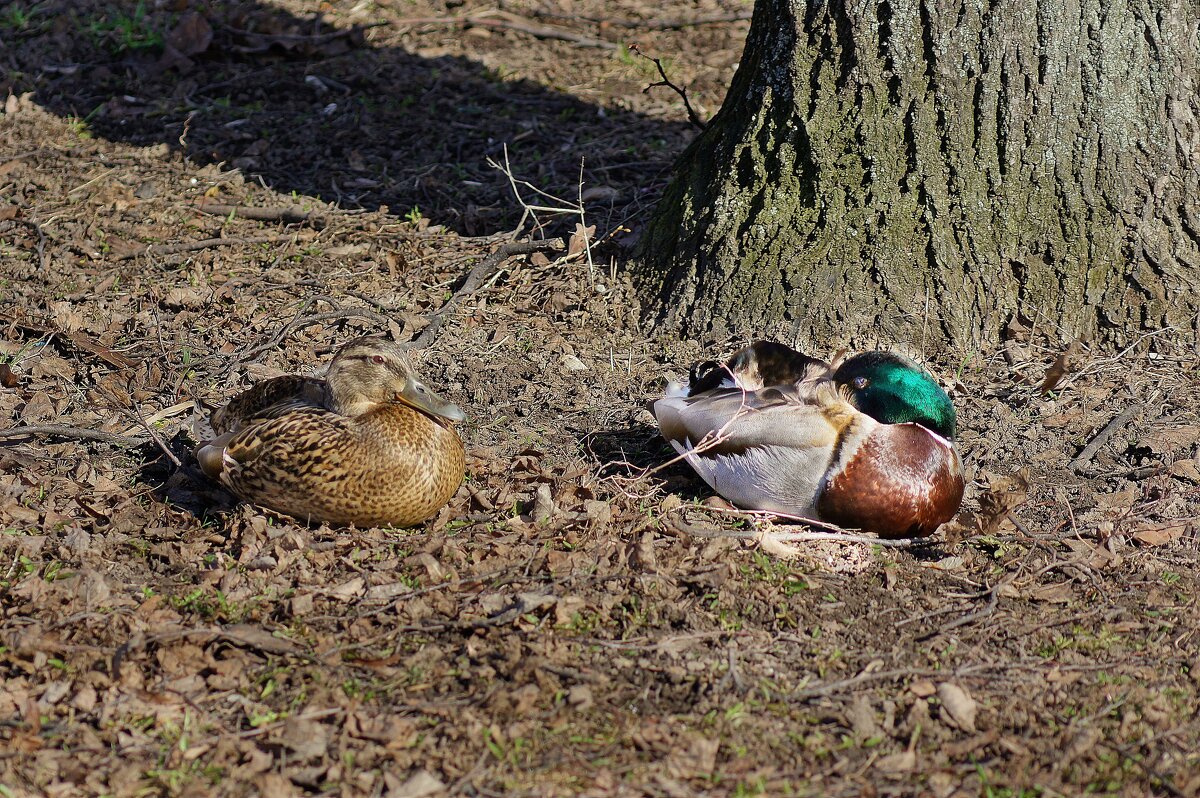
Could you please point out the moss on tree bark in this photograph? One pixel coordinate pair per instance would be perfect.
(912, 170)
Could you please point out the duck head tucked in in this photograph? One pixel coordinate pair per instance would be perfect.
(372, 371)
(868, 444)
(892, 389)
(759, 365)
(369, 445)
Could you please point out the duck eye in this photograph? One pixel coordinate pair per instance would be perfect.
(861, 382)
(378, 359)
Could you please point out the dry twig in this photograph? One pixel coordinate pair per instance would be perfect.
(1088, 452)
(505, 20)
(154, 436)
(207, 243)
(481, 272)
(649, 24)
(693, 117)
(77, 433)
(290, 215)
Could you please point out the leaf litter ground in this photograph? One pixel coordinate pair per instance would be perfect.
(569, 624)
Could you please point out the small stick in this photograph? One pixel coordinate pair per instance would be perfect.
(650, 24)
(165, 413)
(970, 617)
(192, 246)
(1088, 452)
(500, 19)
(292, 215)
(693, 117)
(77, 433)
(156, 437)
(513, 22)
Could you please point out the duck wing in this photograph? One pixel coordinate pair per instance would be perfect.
(269, 399)
(283, 454)
(732, 420)
(764, 450)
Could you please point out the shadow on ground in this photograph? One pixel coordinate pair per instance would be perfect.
(319, 111)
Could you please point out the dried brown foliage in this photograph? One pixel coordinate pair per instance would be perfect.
(561, 628)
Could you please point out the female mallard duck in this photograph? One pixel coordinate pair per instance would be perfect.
(866, 445)
(369, 445)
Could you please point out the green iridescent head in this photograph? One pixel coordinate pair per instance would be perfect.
(893, 390)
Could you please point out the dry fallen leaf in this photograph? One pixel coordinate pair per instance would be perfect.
(580, 239)
(897, 764)
(958, 704)
(421, 784)
(1166, 440)
(1082, 742)
(600, 194)
(306, 739)
(1054, 593)
(951, 563)
(192, 35)
(1159, 534)
(695, 760)
(922, 688)
(861, 717)
(1185, 469)
(1062, 364)
(348, 589)
(1004, 494)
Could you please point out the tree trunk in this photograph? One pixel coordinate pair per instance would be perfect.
(924, 170)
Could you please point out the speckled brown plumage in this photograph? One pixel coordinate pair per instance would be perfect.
(760, 365)
(369, 445)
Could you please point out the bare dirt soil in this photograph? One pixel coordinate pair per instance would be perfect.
(572, 623)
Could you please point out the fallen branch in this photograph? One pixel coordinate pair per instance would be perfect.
(650, 24)
(292, 215)
(476, 278)
(300, 321)
(1088, 452)
(506, 21)
(77, 433)
(207, 243)
(512, 22)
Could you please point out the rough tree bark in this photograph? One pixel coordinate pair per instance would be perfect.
(927, 169)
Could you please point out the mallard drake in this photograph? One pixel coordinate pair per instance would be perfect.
(867, 444)
(368, 445)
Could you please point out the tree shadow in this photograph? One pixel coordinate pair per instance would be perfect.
(307, 108)
(184, 488)
(631, 453)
